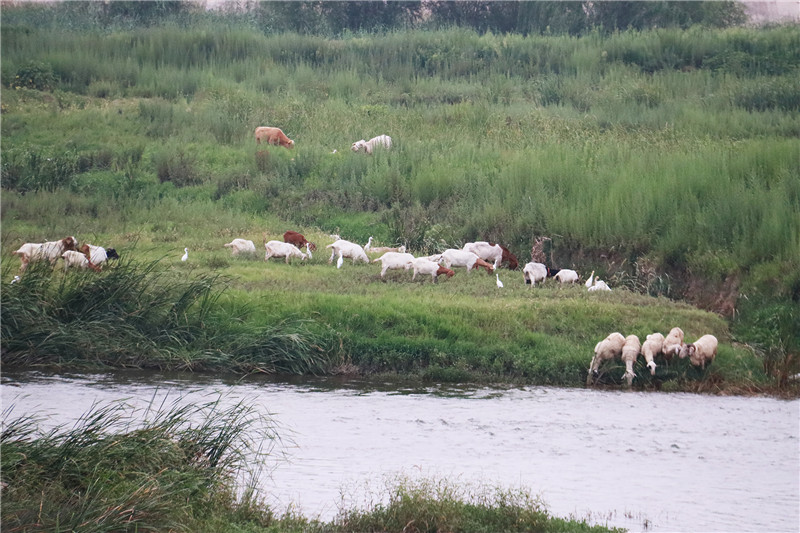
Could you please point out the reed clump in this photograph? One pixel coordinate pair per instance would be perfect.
(136, 315)
(174, 470)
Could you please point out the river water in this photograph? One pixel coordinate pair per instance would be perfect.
(642, 461)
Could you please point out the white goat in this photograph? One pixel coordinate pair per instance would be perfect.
(370, 145)
(344, 248)
(533, 272)
(486, 251)
(424, 266)
(630, 351)
(599, 285)
(77, 259)
(462, 258)
(44, 251)
(565, 275)
(394, 261)
(97, 255)
(606, 349)
(282, 249)
(241, 246)
(673, 343)
(651, 347)
(702, 351)
(368, 248)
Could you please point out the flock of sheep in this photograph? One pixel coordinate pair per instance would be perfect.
(616, 346)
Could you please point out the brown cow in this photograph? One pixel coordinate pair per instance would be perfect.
(273, 136)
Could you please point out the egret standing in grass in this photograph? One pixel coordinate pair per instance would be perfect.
(589, 281)
(185, 255)
(499, 283)
(339, 261)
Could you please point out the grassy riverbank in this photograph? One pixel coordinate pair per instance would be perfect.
(181, 469)
(664, 160)
(215, 312)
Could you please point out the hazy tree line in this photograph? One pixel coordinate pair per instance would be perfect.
(337, 17)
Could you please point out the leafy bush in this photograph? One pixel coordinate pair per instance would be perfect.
(35, 75)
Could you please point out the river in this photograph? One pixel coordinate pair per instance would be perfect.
(642, 461)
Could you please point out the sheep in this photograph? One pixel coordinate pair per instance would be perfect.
(533, 272)
(673, 343)
(370, 145)
(349, 249)
(394, 261)
(97, 254)
(702, 351)
(651, 347)
(462, 258)
(49, 251)
(241, 246)
(424, 266)
(73, 258)
(292, 237)
(630, 351)
(566, 275)
(608, 348)
(282, 249)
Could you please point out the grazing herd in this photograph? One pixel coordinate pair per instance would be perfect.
(700, 353)
(86, 256)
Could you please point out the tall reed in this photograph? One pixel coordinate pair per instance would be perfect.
(173, 470)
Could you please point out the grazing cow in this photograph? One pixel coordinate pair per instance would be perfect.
(49, 251)
(273, 136)
(298, 240)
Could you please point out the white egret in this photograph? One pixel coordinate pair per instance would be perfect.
(185, 254)
(590, 282)
(499, 283)
(339, 261)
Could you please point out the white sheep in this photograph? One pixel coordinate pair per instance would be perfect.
(77, 259)
(630, 351)
(344, 248)
(673, 343)
(651, 347)
(394, 261)
(370, 145)
(702, 351)
(282, 249)
(462, 258)
(241, 246)
(606, 349)
(422, 265)
(533, 272)
(566, 275)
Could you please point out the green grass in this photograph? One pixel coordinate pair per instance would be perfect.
(650, 157)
